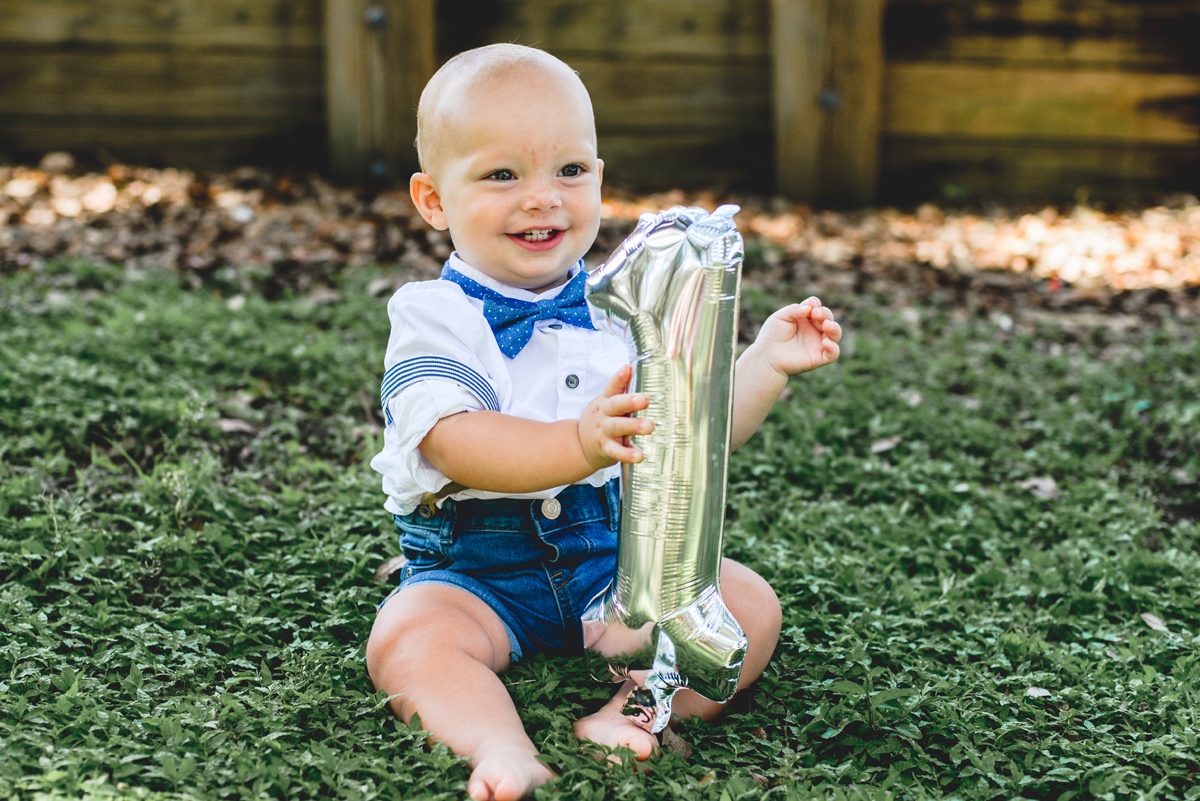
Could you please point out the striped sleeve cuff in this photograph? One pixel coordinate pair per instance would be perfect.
(424, 368)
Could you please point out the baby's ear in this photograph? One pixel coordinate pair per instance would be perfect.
(427, 200)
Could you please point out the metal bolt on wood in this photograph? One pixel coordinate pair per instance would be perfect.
(829, 99)
(379, 170)
(375, 17)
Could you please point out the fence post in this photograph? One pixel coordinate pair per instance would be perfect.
(827, 65)
(378, 56)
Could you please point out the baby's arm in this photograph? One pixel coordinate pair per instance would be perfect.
(501, 453)
(795, 339)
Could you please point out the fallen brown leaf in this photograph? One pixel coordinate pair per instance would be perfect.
(381, 286)
(672, 743)
(322, 296)
(885, 444)
(384, 572)
(232, 424)
(1155, 622)
(1043, 487)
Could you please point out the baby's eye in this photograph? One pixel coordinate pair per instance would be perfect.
(502, 175)
(571, 171)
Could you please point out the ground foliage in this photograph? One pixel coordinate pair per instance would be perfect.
(985, 538)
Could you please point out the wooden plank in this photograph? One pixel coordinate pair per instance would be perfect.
(644, 159)
(919, 169)
(798, 45)
(379, 57)
(182, 143)
(850, 132)
(1144, 36)
(153, 84)
(945, 100)
(254, 24)
(655, 95)
(1049, 52)
(828, 68)
(709, 30)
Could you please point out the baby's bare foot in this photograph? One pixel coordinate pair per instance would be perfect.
(505, 772)
(609, 727)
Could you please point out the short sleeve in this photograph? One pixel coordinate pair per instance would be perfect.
(438, 335)
(407, 474)
(441, 360)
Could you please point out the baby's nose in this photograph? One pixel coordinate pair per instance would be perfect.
(541, 196)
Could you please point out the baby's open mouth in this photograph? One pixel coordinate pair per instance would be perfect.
(539, 239)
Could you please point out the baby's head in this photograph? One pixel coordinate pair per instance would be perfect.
(507, 145)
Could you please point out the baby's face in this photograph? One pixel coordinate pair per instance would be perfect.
(517, 179)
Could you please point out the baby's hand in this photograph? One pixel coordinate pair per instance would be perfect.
(800, 337)
(605, 425)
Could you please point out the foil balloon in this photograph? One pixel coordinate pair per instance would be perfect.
(671, 289)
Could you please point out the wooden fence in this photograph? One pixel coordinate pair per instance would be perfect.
(187, 81)
(831, 100)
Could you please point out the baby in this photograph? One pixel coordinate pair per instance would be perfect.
(508, 418)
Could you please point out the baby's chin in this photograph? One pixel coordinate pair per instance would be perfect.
(534, 280)
(545, 284)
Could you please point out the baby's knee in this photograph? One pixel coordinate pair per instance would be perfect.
(753, 601)
(769, 610)
(420, 630)
(401, 643)
(388, 636)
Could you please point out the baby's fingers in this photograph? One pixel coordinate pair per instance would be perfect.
(829, 342)
(796, 312)
(619, 381)
(620, 427)
(832, 331)
(621, 405)
(618, 451)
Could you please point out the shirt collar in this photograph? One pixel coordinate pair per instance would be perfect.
(517, 293)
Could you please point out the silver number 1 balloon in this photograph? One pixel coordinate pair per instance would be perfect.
(671, 289)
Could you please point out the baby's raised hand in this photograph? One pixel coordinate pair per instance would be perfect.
(604, 427)
(800, 337)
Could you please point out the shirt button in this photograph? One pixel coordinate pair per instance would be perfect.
(572, 381)
(556, 326)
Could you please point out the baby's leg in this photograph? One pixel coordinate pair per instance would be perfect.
(756, 608)
(438, 648)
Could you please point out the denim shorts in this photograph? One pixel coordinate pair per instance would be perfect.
(537, 573)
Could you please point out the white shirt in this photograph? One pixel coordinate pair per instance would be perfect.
(447, 361)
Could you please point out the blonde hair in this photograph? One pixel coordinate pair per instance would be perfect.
(470, 68)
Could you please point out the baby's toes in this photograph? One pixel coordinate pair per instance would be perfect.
(614, 730)
(641, 742)
(507, 777)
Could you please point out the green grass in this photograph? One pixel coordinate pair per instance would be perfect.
(184, 609)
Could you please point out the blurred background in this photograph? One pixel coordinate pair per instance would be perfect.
(830, 101)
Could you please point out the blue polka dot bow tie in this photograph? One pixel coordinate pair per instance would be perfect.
(512, 319)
